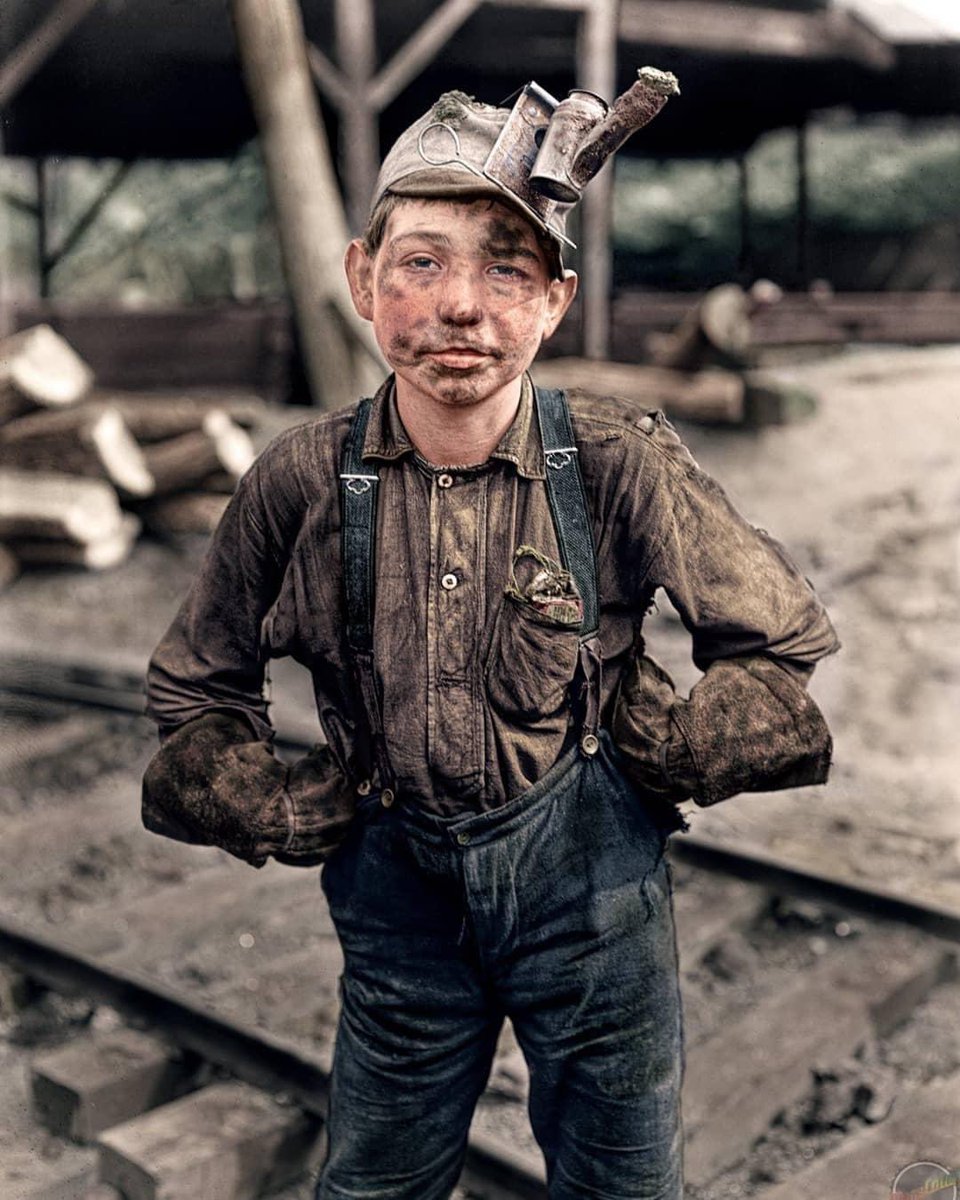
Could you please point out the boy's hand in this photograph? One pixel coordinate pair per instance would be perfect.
(213, 783)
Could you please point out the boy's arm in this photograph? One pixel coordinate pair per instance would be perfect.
(211, 658)
(757, 628)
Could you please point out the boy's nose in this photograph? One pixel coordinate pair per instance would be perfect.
(460, 301)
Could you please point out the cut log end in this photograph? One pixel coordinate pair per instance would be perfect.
(121, 456)
(43, 369)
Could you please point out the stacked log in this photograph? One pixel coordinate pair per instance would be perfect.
(38, 369)
(82, 472)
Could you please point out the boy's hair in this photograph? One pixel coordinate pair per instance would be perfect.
(372, 237)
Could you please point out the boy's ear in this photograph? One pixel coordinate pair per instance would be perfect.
(559, 299)
(358, 266)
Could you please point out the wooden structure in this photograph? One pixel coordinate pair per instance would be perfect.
(744, 67)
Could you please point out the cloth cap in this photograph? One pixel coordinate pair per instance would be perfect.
(452, 150)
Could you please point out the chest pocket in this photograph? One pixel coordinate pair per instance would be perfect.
(535, 647)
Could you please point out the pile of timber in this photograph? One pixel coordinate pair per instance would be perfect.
(83, 471)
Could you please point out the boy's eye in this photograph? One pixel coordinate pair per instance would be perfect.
(421, 262)
(506, 271)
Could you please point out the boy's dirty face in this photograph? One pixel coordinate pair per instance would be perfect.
(460, 294)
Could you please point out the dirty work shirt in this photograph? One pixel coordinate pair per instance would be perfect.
(475, 685)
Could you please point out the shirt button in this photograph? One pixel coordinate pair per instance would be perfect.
(463, 839)
(590, 744)
(386, 797)
(449, 582)
(444, 480)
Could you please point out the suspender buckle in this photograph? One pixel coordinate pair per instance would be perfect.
(358, 484)
(561, 457)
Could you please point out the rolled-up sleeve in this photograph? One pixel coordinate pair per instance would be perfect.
(211, 658)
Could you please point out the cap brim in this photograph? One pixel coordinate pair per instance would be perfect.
(438, 183)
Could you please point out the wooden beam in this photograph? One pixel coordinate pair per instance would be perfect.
(43, 271)
(745, 253)
(597, 72)
(327, 77)
(708, 27)
(355, 33)
(803, 206)
(87, 217)
(420, 50)
(547, 5)
(306, 199)
(24, 62)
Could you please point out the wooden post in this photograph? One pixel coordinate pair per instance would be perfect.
(306, 200)
(359, 127)
(43, 241)
(745, 256)
(6, 248)
(597, 71)
(803, 206)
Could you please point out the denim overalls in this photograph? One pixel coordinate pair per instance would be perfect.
(554, 909)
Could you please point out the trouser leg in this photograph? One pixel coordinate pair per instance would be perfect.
(592, 989)
(606, 1060)
(417, 1030)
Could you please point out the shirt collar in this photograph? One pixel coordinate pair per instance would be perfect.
(387, 439)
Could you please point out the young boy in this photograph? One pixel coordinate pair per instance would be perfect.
(464, 564)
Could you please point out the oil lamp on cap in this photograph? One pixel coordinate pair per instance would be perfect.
(537, 156)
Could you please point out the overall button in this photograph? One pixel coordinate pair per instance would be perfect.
(444, 480)
(463, 839)
(449, 581)
(387, 797)
(364, 787)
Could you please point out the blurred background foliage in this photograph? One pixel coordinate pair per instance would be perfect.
(884, 212)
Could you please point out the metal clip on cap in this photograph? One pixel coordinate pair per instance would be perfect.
(589, 744)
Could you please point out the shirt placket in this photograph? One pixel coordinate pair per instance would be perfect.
(458, 511)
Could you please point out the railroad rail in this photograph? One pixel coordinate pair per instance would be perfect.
(120, 689)
(864, 986)
(250, 1054)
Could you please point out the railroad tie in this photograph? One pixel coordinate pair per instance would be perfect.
(228, 1141)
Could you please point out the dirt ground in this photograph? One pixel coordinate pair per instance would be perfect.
(866, 495)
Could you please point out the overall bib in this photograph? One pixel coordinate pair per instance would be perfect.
(554, 909)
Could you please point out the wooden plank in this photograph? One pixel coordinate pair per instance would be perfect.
(420, 50)
(226, 1142)
(223, 345)
(750, 31)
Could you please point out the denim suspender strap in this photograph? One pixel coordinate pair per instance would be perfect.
(358, 516)
(568, 505)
